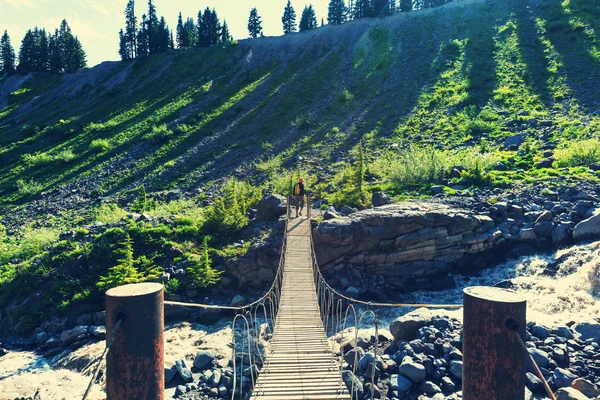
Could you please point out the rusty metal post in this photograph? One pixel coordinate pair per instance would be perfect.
(135, 361)
(493, 361)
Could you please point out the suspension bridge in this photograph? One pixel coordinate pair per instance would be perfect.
(300, 313)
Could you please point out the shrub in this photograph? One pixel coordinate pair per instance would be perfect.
(452, 49)
(478, 126)
(350, 189)
(159, 134)
(227, 214)
(345, 96)
(302, 122)
(172, 286)
(266, 146)
(578, 153)
(29, 188)
(37, 159)
(109, 213)
(100, 145)
(200, 270)
(65, 156)
(124, 272)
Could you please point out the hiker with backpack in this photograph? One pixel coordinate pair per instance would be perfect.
(299, 196)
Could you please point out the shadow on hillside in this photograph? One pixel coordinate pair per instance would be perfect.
(574, 46)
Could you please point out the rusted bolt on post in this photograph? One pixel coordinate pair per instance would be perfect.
(135, 361)
(493, 361)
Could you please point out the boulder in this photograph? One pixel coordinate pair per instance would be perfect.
(353, 384)
(563, 378)
(271, 207)
(99, 332)
(588, 330)
(586, 387)
(204, 359)
(570, 394)
(544, 228)
(170, 374)
(184, 371)
(456, 367)
(541, 358)
(400, 383)
(406, 326)
(588, 227)
(70, 336)
(412, 370)
(345, 210)
(238, 301)
(331, 213)
(514, 142)
(380, 199)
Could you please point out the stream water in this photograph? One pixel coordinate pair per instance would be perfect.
(559, 287)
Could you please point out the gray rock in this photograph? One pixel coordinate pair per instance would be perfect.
(533, 382)
(70, 336)
(331, 213)
(184, 371)
(238, 301)
(541, 357)
(514, 142)
(204, 359)
(570, 394)
(400, 383)
(222, 391)
(354, 354)
(526, 234)
(412, 370)
(437, 189)
(563, 331)
(588, 330)
(429, 388)
(380, 199)
(540, 331)
(170, 374)
(99, 332)
(345, 210)
(563, 377)
(455, 369)
(353, 384)
(351, 292)
(448, 384)
(180, 390)
(544, 228)
(84, 320)
(587, 228)
(271, 207)
(216, 378)
(406, 326)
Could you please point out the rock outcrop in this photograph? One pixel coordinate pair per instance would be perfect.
(403, 241)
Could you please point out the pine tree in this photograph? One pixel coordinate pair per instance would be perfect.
(289, 18)
(171, 42)
(214, 28)
(337, 12)
(26, 63)
(162, 37)
(130, 33)
(309, 18)
(152, 29)
(254, 24)
(7, 55)
(405, 5)
(205, 21)
(381, 8)
(123, 46)
(363, 9)
(180, 32)
(124, 272)
(190, 37)
(225, 34)
(143, 46)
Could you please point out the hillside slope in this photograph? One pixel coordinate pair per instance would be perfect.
(441, 76)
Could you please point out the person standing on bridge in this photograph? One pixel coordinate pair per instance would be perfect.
(299, 196)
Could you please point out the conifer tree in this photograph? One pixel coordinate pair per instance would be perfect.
(26, 63)
(215, 28)
(152, 29)
(205, 21)
(309, 18)
(254, 24)
(190, 37)
(180, 31)
(7, 55)
(363, 9)
(225, 34)
(289, 18)
(130, 33)
(171, 42)
(380, 8)
(123, 46)
(337, 12)
(405, 5)
(143, 46)
(163, 37)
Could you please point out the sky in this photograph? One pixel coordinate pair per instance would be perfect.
(97, 22)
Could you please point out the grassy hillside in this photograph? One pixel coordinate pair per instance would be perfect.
(423, 92)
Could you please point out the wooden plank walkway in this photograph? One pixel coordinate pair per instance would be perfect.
(299, 364)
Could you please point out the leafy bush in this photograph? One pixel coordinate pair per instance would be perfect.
(29, 188)
(100, 145)
(200, 270)
(577, 153)
(37, 159)
(345, 96)
(452, 49)
(227, 214)
(172, 286)
(159, 134)
(65, 156)
(302, 122)
(109, 213)
(478, 126)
